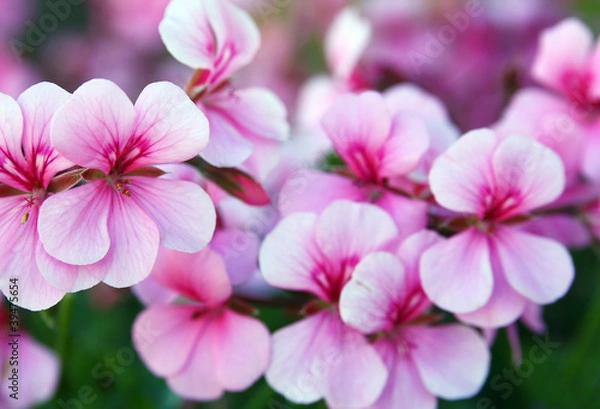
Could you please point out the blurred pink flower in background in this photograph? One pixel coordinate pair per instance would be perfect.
(217, 348)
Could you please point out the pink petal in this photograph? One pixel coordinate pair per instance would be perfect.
(66, 277)
(92, 140)
(73, 225)
(410, 215)
(169, 124)
(227, 146)
(460, 176)
(197, 380)
(529, 171)
(255, 112)
(345, 42)
(404, 388)
(538, 268)
(337, 227)
(158, 328)
(590, 164)
(357, 375)
(212, 35)
(134, 242)
(11, 126)
(565, 229)
(313, 190)
(358, 126)
(151, 291)
(320, 357)
(548, 119)
(374, 293)
(239, 250)
(453, 360)
(289, 255)
(457, 274)
(241, 350)
(410, 251)
(504, 306)
(39, 103)
(409, 140)
(199, 276)
(18, 259)
(183, 212)
(563, 49)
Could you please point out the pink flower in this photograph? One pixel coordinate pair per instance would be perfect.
(320, 357)
(384, 297)
(382, 146)
(111, 227)
(200, 345)
(217, 39)
(344, 44)
(488, 271)
(567, 62)
(28, 163)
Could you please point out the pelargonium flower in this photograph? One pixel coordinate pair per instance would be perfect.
(201, 345)
(380, 146)
(345, 42)
(111, 227)
(384, 298)
(319, 356)
(28, 163)
(567, 62)
(217, 39)
(488, 271)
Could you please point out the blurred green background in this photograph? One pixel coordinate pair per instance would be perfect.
(92, 333)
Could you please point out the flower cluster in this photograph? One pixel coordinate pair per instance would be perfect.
(396, 243)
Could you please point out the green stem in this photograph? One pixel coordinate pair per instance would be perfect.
(63, 329)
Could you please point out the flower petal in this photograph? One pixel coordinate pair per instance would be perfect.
(198, 276)
(239, 250)
(345, 41)
(73, 225)
(453, 360)
(18, 259)
(503, 308)
(227, 146)
(538, 268)
(289, 255)
(241, 350)
(563, 49)
(528, 170)
(358, 126)
(457, 273)
(212, 35)
(404, 388)
(158, 328)
(408, 142)
(133, 249)
(255, 112)
(94, 124)
(183, 212)
(39, 104)
(171, 127)
(374, 293)
(337, 227)
(461, 175)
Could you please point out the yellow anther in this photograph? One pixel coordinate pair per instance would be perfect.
(25, 218)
